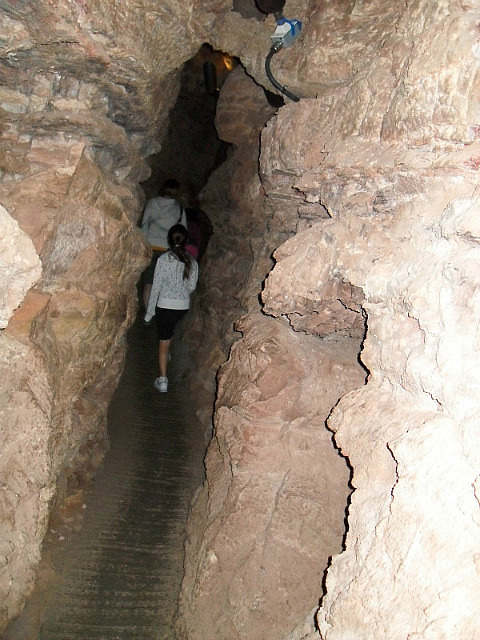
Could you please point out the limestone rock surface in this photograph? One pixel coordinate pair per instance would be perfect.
(238, 253)
(377, 202)
(20, 266)
(390, 176)
(272, 509)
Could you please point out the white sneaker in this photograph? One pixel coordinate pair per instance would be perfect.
(161, 384)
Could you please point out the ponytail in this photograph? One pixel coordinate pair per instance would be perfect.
(177, 240)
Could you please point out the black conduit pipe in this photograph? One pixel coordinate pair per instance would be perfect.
(210, 77)
(275, 83)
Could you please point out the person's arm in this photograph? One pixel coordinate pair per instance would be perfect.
(154, 292)
(192, 277)
(146, 220)
(183, 218)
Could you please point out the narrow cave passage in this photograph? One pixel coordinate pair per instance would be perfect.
(113, 559)
(118, 575)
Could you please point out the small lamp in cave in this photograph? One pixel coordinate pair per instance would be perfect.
(228, 62)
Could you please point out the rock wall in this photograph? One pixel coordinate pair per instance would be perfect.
(376, 177)
(68, 299)
(272, 509)
(239, 251)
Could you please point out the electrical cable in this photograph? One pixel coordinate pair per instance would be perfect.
(284, 91)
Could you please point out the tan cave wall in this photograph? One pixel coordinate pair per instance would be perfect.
(371, 196)
(272, 509)
(70, 256)
(366, 194)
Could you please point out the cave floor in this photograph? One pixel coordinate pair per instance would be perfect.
(112, 569)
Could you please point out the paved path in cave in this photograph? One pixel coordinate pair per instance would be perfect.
(118, 578)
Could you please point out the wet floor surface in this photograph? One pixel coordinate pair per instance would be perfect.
(119, 576)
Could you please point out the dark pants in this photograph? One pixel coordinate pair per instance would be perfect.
(167, 320)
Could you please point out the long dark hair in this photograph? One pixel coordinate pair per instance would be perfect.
(177, 239)
(170, 188)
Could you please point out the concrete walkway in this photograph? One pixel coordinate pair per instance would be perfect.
(119, 576)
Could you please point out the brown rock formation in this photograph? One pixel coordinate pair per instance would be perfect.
(362, 212)
(69, 182)
(272, 510)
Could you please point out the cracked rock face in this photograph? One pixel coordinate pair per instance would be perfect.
(20, 266)
(373, 186)
(343, 268)
(272, 510)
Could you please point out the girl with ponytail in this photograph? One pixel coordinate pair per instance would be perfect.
(175, 278)
(177, 242)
